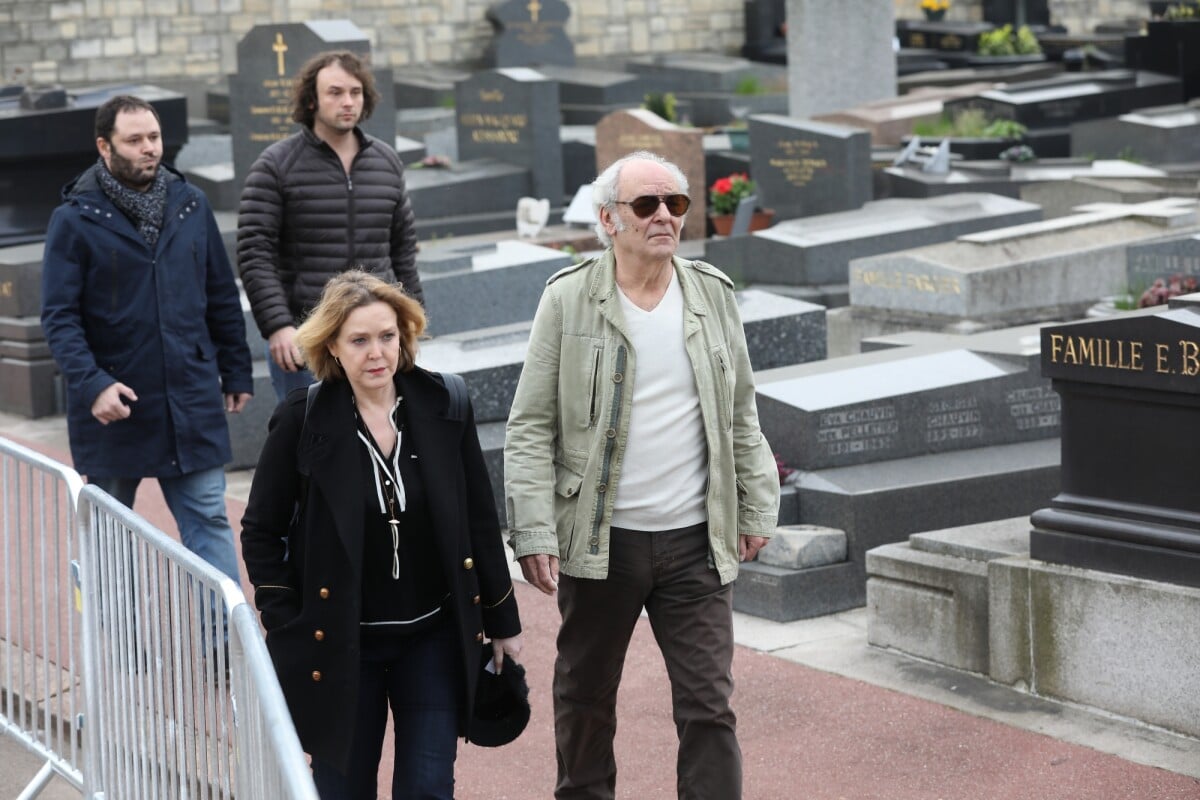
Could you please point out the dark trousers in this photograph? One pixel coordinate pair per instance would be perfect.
(420, 676)
(691, 614)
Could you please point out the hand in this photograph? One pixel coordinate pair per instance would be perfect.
(541, 570)
(512, 646)
(234, 403)
(284, 351)
(748, 546)
(109, 406)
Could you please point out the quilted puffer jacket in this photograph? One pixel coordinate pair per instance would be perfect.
(302, 219)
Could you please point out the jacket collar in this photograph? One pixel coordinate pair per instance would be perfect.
(603, 286)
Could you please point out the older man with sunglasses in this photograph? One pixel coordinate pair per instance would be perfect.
(636, 477)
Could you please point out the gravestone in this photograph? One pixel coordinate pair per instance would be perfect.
(268, 58)
(766, 34)
(1068, 98)
(1017, 12)
(1004, 177)
(587, 95)
(952, 430)
(818, 250)
(892, 119)
(839, 54)
(466, 188)
(1061, 198)
(29, 383)
(1129, 387)
(682, 73)
(511, 115)
(1171, 47)
(943, 36)
(1038, 271)
(624, 132)
(1146, 263)
(1159, 135)
(42, 150)
(529, 33)
(480, 286)
(802, 168)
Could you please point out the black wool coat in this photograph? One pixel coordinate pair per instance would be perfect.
(307, 571)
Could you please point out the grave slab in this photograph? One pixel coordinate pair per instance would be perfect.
(891, 119)
(1062, 198)
(817, 250)
(1168, 134)
(1038, 271)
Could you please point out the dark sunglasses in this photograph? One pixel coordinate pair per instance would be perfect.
(647, 204)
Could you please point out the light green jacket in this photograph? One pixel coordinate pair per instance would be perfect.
(570, 419)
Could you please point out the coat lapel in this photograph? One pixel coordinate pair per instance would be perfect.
(330, 453)
(435, 442)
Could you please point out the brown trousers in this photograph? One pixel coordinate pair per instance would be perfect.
(691, 614)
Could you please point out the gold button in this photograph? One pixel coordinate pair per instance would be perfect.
(479, 636)
(324, 593)
(468, 563)
(475, 599)
(319, 635)
(317, 675)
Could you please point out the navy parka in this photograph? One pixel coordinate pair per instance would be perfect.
(165, 321)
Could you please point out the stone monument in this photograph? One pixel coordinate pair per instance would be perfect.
(529, 33)
(839, 54)
(511, 115)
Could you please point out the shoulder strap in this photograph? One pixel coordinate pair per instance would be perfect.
(457, 410)
(313, 389)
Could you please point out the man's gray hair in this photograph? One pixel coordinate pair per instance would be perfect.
(604, 189)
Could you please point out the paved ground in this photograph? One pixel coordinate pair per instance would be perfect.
(821, 716)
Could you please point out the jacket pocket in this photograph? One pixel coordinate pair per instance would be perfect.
(726, 381)
(567, 483)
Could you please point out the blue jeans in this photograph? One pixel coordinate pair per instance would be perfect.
(197, 501)
(420, 676)
(284, 382)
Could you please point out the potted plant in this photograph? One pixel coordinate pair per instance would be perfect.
(723, 198)
(935, 9)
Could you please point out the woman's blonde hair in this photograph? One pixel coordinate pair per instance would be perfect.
(343, 293)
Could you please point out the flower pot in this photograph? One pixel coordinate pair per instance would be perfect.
(934, 15)
(723, 223)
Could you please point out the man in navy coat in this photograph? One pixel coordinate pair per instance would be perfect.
(142, 314)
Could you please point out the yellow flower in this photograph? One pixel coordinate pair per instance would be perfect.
(935, 5)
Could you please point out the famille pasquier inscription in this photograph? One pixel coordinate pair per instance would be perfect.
(798, 160)
(272, 119)
(494, 128)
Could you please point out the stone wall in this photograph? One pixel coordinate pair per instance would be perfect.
(93, 41)
(90, 41)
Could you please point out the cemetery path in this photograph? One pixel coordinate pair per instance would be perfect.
(805, 732)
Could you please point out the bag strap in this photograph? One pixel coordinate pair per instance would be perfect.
(457, 410)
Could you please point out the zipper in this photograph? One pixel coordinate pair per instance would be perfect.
(350, 227)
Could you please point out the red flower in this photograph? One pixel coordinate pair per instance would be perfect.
(723, 185)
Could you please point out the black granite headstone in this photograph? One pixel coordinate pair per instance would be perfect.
(1017, 12)
(269, 58)
(1171, 47)
(41, 150)
(529, 33)
(1146, 263)
(766, 38)
(945, 37)
(1130, 388)
(511, 115)
(803, 167)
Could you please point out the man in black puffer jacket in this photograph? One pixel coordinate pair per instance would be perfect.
(322, 200)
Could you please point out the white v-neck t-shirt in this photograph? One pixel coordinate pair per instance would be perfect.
(664, 472)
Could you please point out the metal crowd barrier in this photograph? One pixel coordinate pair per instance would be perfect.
(40, 705)
(181, 697)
